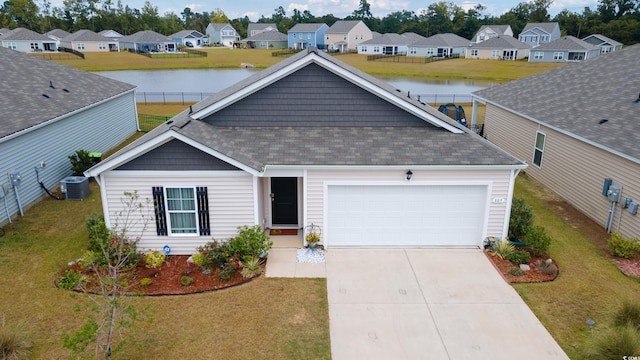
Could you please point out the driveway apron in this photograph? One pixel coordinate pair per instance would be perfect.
(428, 304)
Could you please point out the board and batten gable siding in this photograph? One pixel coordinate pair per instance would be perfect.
(231, 204)
(497, 182)
(572, 169)
(98, 128)
(331, 101)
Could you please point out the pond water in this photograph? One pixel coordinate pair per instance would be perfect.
(196, 84)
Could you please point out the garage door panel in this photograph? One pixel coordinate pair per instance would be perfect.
(405, 215)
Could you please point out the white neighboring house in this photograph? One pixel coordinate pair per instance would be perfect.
(501, 47)
(147, 41)
(88, 41)
(389, 44)
(223, 34)
(57, 35)
(440, 45)
(189, 38)
(487, 32)
(25, 40)
(605, 44)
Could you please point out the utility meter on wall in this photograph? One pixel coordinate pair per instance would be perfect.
(613, 193)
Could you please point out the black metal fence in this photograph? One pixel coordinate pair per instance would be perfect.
(285, 52)
(170, 97)
(149, 122)
(75, 52)
(410, 59)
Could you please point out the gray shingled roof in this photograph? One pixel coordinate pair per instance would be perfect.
(260, 27)
(187, 33)
(109, 31)
(86, 35)
(59, 33)
(259, 146)
(604, 39)
(498, 29)
(501, 42)
(306, 27)
(566, 43)
(21, 34)
(576, 97)
(3, 31)
(145, 36)
(440, 40)
(26, 78)
(342, 26)
(547, 27)
(218, 26)
(268, 36)
(388, 39)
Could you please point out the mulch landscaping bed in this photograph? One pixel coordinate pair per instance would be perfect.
(166, 280)
(534, 275)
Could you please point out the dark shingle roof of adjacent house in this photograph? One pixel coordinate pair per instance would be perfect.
(342, 26)
(547, 27)
(268, 36)
(268, 142)
(58, 33)
(567, 43)
(306, 27)
(501, 42)
(24, 34)
(86, 35)
(447, 39)
(145, 36)
(26, 79)
(577, 97)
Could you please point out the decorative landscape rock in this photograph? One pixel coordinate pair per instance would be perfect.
(525, 267)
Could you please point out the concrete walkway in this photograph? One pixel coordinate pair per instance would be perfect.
(421, 304)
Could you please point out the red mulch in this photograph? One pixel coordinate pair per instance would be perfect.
(629, 267)
(166, 279)
(533, 275)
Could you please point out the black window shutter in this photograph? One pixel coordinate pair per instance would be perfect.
(161, 214)
(203, 210)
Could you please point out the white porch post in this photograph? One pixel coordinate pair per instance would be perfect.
(474, 114)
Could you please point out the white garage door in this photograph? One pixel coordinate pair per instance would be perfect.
(405, 215)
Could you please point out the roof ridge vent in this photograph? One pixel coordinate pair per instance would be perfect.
(312, 49)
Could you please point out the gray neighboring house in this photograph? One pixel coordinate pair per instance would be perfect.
(312, 140)
(25, 40)
(501, 47)
(577, 126)
(605, 44)
(57, 35)
(223, 34)
(257, 28)
(193, 37)
(440, 45)
(389, 44)
(50, 111)
(89, 41)
(147, 41)
(487, 32)
(567, 48)
(536, 34)
(267, 40)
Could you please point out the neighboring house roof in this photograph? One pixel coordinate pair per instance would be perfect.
(342, 26)
(218, 26)
(498, 29)
(3, 31)
(110, 33)
(387, 39)
(58, 33)
(26, 79)
(86, 35)
(22, 34)
(501, 42)
(575, 98)
(145, 36)
(306, 27)
(601, 40)
(547, 27)
(187, 33)
(260, 27)
(218, 124)
(413, 37)
(268, 36)
(567, 43)
(443, 40)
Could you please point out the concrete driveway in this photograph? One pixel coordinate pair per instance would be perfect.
(428, 304)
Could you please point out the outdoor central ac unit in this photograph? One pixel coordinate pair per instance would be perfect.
(75, 187)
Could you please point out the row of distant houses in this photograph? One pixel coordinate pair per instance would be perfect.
(539, 42)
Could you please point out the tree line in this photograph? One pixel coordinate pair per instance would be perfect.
(617, 19)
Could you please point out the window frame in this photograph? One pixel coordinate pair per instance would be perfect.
(474, 52)
(169, 211)
(538, 55)
(558, 55)
(539, 150)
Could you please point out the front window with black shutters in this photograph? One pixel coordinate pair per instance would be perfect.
(181, 206)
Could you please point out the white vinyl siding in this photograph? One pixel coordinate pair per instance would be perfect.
(230, 195)
(572, 169)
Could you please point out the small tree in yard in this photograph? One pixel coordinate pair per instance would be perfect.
(111, 254)
(521, 219)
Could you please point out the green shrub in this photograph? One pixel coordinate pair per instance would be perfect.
(13, 344)
(214, 253)
(201, 260)
(227, 271)
(251, 267)
(144, 282)
(502, 249)
(154, 259)
(614, 343)
(623, 247)
(628, 314)
(516, 271)
(71, 280)
(186, 280)
(251, 241)
(98, 232)
(519, 257)
(81, 161)
(538, 240)
(520, 220)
